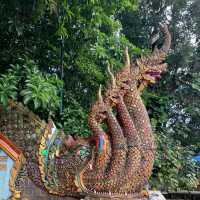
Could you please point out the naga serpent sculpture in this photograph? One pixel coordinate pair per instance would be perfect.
(117, 160)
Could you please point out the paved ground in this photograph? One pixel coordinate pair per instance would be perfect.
(31, 192)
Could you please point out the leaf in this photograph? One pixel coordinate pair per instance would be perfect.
(27, 99)
(36, 103)
(195, 86)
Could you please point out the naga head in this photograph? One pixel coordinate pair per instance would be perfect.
(147, 70)
(144, 71)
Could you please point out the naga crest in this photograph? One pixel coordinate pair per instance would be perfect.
(116, 161)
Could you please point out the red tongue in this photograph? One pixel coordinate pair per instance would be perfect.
(157, 76)
(154, 74)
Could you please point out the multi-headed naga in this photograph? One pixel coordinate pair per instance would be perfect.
(117, 160)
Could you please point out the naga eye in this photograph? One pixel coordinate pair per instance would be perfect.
(114, 96)
(126, 82)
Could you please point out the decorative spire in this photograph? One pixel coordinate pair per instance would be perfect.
(167, 38)
(127, 59)
(112, 77)
(100, 98)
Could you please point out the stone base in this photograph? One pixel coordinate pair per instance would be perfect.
(32, 192)
(109, 198)
(153, 195)
(156, 195)
(29, 191)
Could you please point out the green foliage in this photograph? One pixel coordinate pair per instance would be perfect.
(173, 168)
(196, 81)
(37, 90)
(9, 83)
(7, 88)
(41, 90)
(92, 38)
(75, 118)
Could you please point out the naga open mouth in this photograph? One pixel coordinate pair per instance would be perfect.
(154, 74)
